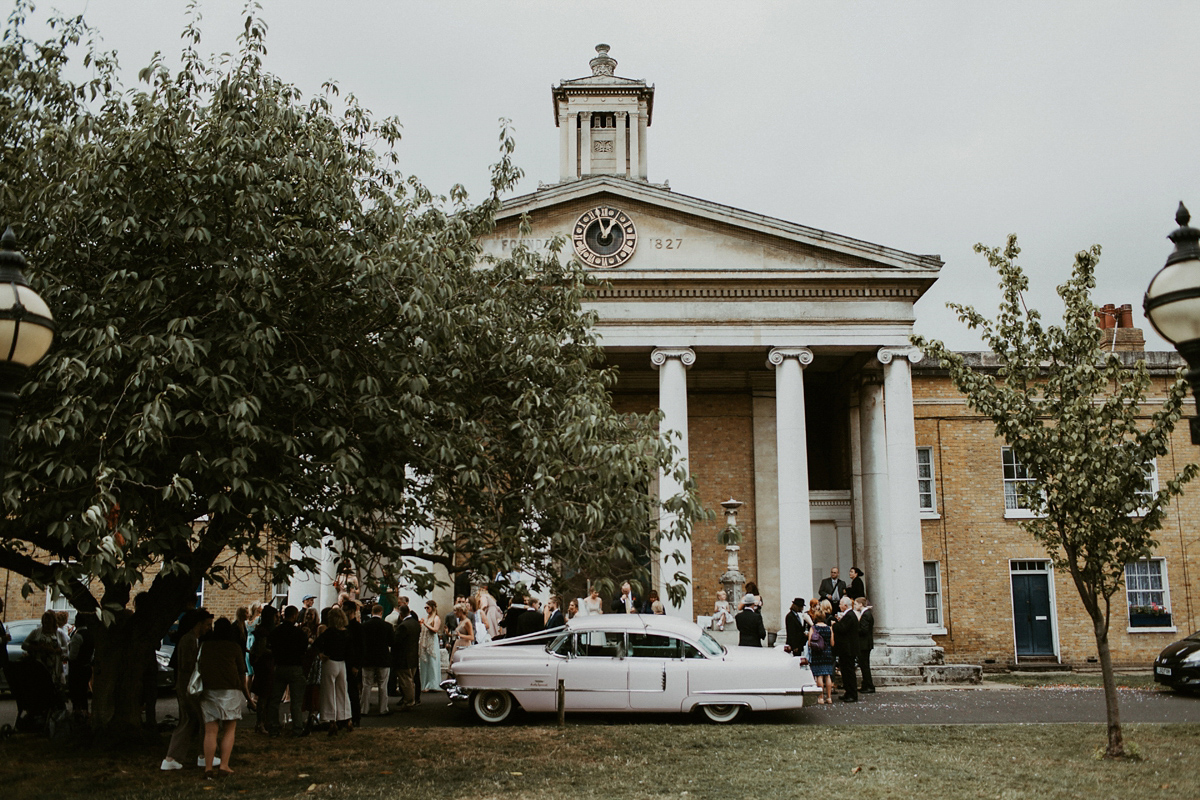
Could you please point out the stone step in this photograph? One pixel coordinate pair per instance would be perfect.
(887, 675)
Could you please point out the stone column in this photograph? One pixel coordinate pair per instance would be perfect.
(565, 167)
(572, 146)
(856, 479)
(874, 479)
(634, 143)
(642, 148)
(619, 143)
(585, 143)
(672, 364)
(900, 576)
(795, 530)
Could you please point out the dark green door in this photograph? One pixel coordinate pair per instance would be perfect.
(1031, 613)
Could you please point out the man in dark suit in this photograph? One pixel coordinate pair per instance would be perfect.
(531, 621)
(797, 628)
(556, 618)
(751, 630)
(626, 602)
(856, 589)
(845, 647)
(516, 609)
(832, 589)
(289, 644)
(376, 659)
(866, 642)
(406, 656)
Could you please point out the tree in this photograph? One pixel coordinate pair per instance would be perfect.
(268, 334)
(1070, 411)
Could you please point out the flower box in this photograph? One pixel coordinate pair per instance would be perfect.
(1144, 620)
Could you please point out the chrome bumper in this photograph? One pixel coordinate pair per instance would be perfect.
(456, 694)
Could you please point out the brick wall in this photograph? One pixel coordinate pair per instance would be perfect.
(974, 542)
(248, 583)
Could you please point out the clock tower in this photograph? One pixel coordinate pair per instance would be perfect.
(602, 121)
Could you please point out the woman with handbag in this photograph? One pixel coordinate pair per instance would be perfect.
(194, 625)
(820, 656)
(222, 666)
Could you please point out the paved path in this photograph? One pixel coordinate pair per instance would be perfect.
(989, 704)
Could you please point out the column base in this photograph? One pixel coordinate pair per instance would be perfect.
(906, 648)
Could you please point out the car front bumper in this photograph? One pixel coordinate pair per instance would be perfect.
(1176, 676)
(457, 695)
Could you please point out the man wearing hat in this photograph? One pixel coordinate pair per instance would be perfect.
(751, 630)
(307, 602)
(797, 628)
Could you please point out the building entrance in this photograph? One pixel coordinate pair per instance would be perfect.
(1032, 611)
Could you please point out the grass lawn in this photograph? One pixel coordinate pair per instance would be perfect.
(1084, 679)
(638, 761)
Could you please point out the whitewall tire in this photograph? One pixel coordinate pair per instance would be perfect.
(492, 706)
(722, 714)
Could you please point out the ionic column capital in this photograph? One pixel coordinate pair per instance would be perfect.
(660, 356)
(780, 354)
(886, 354)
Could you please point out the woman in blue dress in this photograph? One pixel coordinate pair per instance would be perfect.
(820, 656)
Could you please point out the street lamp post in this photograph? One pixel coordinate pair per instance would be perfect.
(26, 330)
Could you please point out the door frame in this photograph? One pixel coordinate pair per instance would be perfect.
(1034, 566)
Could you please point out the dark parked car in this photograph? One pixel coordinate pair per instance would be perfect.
(21, 628)
(18, 630)
(1178, 665)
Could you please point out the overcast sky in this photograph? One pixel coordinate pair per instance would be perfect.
(924, 126)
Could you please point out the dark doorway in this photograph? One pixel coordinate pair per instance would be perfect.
(1031, 614)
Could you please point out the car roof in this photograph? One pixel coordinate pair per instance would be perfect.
(658, 623)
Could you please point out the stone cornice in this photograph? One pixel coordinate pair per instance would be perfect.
(1159, 363)
(759, 293)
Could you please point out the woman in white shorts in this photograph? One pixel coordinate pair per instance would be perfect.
(223, 672)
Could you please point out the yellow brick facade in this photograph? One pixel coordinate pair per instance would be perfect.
(974, 543)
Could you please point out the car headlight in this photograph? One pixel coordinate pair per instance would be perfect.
(1192, 660)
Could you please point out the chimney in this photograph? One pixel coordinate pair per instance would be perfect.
(1119, 334)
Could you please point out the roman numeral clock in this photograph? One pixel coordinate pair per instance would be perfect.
(604, 237)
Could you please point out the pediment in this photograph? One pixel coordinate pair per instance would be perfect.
(686, 238)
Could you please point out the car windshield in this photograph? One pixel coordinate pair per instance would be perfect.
(710, 645)
(18, 631)
(1195, 637)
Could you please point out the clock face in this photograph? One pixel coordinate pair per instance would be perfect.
(604, 237)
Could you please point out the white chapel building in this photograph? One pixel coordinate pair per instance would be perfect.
(778, 353)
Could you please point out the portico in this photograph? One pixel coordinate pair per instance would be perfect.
(777, 353)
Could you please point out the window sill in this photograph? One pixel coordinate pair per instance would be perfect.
(930, 515)
(938, 631)
(1020, 513)
(1140, 629)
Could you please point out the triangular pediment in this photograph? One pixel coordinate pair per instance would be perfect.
(682, 237)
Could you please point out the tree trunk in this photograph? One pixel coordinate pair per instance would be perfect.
(1116, 742)
(124, 655)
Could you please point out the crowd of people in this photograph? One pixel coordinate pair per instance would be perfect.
(303, 669)
(829, 638)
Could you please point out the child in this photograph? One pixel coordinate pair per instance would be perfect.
(721, 613)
